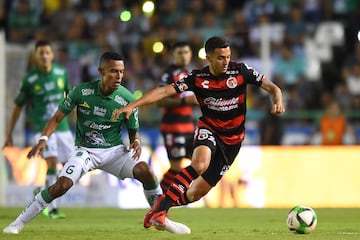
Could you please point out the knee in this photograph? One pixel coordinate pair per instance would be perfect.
(62, 185)
(143, 173)
(195, 195)
(200, 165)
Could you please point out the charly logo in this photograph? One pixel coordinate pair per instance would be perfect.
(87, 91)
(231, 82)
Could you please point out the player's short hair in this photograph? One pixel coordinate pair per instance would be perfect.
(216, 42)
(180, 44)
(108, 56)
(42, 43)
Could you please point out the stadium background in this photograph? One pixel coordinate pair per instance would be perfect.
(325, 39)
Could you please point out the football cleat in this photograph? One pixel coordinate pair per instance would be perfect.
(13, 228)
(176, 227)
(149, 215)
(161, 222)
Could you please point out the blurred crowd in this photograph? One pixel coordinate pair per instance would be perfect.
(82, 29)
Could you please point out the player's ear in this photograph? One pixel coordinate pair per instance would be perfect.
(101, 71)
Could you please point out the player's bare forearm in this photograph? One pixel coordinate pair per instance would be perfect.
(148, 98)
(276, 95)
(14, 117)
(47, 131)
(53, 123)
(154, 96)
(135, 143)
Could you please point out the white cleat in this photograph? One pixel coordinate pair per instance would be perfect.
(175, 227)
(13, 229)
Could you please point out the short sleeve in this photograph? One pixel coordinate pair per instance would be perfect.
(251, 76)
(133, 121)
(21, 96)
(165, 79)
(71, 101)
(186, 83)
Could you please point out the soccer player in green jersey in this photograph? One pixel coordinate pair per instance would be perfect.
(43, 88)
(98, 142)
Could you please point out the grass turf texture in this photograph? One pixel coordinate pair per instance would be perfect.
(107, 223)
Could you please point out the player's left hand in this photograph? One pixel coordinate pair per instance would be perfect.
(277, 109)
(37, 149)
(136, 147)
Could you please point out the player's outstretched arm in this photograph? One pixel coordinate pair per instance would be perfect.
(150, 97)
(14, 117)
(47, 131)
(276, 95)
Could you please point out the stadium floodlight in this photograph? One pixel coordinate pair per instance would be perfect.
(148, 8)
(202, 53)
(158, 47)
(125, 16)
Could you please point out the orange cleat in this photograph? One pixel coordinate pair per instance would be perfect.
(152, 211)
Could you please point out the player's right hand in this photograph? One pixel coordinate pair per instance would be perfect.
(37, 149)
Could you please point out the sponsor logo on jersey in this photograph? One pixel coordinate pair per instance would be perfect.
(232, 72)
(224, 169)
(94, 125)
(49, 86)
(120, 100)
(84, 104)
(222, 104)
(96, 138)
(32, 78)
(87, 91)
(84, 111)
(99, 111)
(231, 82)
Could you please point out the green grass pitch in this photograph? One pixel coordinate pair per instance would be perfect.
(205, 223)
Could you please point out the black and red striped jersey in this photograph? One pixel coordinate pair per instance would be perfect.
(222, 98)
(176, 119)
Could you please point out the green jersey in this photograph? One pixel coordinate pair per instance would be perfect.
(44, 92)
(94, 126)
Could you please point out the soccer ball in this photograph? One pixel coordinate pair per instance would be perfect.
(301, 219)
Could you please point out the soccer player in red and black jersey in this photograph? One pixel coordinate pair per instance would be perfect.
(220, 91)
(177, 125)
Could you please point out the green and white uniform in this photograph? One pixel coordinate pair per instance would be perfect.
(44, 92)
(98, 139)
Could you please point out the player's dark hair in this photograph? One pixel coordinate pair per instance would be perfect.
(42, 43)
(108, 56)
(180, 44)
(216, 42)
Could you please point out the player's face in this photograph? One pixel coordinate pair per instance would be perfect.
(44, 57)
(182, 56)
(112, 74)
(219, 60)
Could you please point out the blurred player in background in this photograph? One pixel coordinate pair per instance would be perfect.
(177, 125)
(98, 142)
(43, 88)
(220, 90)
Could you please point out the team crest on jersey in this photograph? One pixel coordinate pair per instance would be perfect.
(231, 82)
(182, 87)
(60, 83)
(37, 88)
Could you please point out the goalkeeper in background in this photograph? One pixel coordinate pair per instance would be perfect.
(43, 88)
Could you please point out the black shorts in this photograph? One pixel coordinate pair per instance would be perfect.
(222, 155)
(178, 145)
